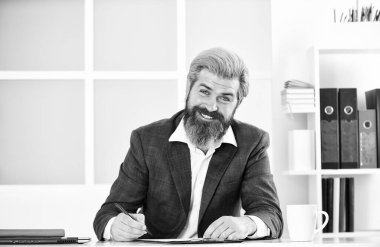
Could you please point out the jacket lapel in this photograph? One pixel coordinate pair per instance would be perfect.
(219, 163)
(180, 168)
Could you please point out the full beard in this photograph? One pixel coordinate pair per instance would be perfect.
(203, 133)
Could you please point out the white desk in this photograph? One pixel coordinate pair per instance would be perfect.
(339, 241)
(362, 241)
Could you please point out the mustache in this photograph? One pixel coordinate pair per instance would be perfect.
(214, 114)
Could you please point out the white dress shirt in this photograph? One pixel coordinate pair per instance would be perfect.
(199, 166)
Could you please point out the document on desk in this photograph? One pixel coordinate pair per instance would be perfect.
(188, 240)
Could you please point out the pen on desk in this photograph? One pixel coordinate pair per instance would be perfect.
(125, 212)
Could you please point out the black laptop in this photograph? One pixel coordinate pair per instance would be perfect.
(38, 236)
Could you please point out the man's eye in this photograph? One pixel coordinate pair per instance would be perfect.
(205, 92)
(225, 99)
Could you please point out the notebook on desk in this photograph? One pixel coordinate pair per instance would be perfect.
(38, 236)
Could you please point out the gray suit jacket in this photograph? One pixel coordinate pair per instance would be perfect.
(156, 175)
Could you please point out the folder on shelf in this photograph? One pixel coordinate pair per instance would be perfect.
(350, 204)
(342, 205)
(348, 116)
(327, 201)
(373, 102)
(367, 139)
(335, 203)
(324, 199)
(338, 201)
(329, 128)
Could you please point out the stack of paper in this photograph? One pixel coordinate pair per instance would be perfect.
(297, 84)
(298, 100)
(297, 97)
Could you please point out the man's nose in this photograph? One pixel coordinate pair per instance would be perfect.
(211, 105)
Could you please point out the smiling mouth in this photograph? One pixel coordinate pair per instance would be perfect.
(207, 117)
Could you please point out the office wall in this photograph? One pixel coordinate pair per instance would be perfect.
(119, 40)
(292, 39)
(29, 42)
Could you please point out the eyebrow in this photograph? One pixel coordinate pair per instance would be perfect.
(204, 85)
(209, 88)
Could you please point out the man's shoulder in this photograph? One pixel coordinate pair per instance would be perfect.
(160, 128)
(161, 125)
(245, 132)
(247, 128)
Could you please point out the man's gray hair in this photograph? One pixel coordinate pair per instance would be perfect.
(223, 63)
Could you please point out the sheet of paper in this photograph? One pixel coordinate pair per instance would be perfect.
(167, 240)
(188, 240)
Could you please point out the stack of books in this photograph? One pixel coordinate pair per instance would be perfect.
(297, 97)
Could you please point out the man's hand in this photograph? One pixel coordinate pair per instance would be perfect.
(232, 228)
(124, 228)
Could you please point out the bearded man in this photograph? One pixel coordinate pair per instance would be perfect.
(190, 175)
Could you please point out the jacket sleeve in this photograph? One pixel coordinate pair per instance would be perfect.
(258, 191)
(129, 189)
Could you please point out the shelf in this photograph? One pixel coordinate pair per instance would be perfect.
(298, 112)
(351, 234)
(349, 50)
(303, 173)
(350, 172)
(334, 172)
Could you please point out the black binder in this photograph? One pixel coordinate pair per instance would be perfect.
(367, 139)
(348, 114)
(330, 204)
(329, 128)
(350, 208)
(342, 205)
(373, 102)
(327, 201)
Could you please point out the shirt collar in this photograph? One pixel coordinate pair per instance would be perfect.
(179, 135)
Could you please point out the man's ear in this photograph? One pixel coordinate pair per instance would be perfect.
(238, 103)
(188, 85)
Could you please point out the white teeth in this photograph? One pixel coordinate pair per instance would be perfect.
(206, 116)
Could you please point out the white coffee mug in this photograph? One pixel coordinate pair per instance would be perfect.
(302, 221)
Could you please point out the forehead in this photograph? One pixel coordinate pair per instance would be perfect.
(217, 83)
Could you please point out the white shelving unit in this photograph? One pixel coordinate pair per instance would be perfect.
(343, 67)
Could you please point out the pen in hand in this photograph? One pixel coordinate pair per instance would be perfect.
(125, 212)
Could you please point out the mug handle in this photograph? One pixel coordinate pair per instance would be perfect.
(324, 223)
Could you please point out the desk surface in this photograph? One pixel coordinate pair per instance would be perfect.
(325, 242)
(340, 241)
